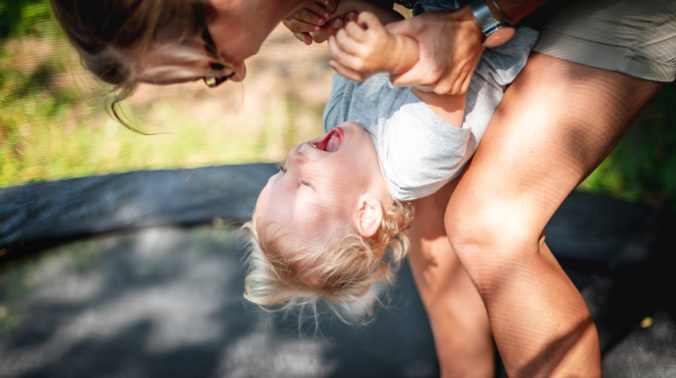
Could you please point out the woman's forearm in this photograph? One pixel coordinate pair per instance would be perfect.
(512, 11)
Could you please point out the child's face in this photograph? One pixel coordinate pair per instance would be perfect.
(318, 193)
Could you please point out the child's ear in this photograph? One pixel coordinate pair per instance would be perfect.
(369, 215)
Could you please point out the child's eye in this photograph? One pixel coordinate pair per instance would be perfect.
(306, 183)
(282, 167)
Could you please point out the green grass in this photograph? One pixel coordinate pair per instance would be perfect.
(54, 123)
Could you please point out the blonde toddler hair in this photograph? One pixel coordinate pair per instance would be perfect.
(341, 272)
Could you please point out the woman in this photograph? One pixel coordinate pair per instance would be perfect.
(593, 70)
(557, 122)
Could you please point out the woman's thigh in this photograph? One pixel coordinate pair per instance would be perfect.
(556, 123)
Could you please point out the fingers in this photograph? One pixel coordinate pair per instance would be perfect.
(346, 72)
(368, 20)
(310, 17)
(330, 5)
(456, 79)
(331, 28)
(296, 26)
(430, 81)
(420, 75)
(347, 40)
(409, 27)
(356, 48)
(350, 38)
(306, 38)
(344, 53)
(350, 16)
(313, 10)
(439, 82)
(320, 36)
(445, 65)
(316, 12)
(335, 24)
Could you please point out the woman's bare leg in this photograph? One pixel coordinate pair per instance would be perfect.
(556, 123)
(457, 314)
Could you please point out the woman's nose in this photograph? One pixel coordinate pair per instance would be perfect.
(240, 72)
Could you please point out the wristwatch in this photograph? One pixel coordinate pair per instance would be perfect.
(495, 32)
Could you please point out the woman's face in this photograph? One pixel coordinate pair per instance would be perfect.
(239, 27)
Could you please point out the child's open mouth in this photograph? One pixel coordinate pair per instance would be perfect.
(331, 141)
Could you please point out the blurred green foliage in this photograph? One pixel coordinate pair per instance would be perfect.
(54, 123)
(31, 102)
(23, 17)
(643, 166)
(49, 130)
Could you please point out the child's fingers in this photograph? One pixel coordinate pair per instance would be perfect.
(345, 72)
(355, 31)
(346, 43)
(369, 20)
(329, 29)
(344, 57)
(350, 16)
(337, 52)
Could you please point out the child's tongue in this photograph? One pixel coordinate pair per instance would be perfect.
(334, 143)
(330, 142)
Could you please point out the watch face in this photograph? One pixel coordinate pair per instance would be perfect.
(499, 36)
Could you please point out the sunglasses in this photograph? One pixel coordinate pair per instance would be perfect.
(212, 81)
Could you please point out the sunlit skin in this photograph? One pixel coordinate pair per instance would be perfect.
(320, 194)
(239, 27)
(495, 219)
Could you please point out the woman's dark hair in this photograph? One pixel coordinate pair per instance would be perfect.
(114, 38)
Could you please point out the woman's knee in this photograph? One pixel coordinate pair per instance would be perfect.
(490, 234)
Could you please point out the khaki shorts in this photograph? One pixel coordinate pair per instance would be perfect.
(636, 37)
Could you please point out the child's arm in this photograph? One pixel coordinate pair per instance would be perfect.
(450, 108)
(361, 49)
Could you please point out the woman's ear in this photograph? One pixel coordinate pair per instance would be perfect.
(369, 215)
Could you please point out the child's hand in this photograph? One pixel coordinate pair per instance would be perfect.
(310, 19)
(365, 47)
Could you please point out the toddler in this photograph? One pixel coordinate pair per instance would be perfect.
(330, 223)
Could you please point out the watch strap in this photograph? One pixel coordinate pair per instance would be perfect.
(484, 16)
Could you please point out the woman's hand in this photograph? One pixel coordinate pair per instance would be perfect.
(450, 48)
(311, 19)
(362, 48)
(332, 27)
